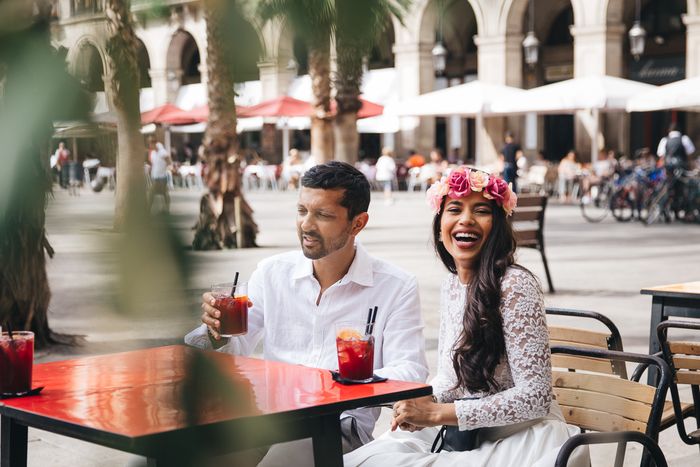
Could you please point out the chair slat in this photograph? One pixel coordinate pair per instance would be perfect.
(553, 342)
(582, 363)
(688, 363)
(631, 390)
(687, 377)
(602, 402)
(523, 236)
(528, 201)
(577, 335)
(600, 421)
(688, 348)
(526, 215)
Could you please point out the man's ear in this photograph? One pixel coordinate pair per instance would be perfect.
(359, 223)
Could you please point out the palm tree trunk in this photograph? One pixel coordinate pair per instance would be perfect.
(217, 226)
(123, 88)
(24, 287)
(349, 77)
(321, 122)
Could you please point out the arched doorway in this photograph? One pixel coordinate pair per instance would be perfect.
(89, 67)
(144, 63)
(552, 23)
(455, 24)
(183, 60)
(662, 62)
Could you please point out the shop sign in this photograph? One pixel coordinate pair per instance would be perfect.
(658, 70)
(554, 73)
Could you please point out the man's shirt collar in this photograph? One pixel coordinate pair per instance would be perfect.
(360, 271)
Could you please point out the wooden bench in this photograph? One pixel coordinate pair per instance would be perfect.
(528, 224)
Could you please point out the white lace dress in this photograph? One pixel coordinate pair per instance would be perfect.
(520, 422)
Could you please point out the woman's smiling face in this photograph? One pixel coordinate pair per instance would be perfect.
(464, 227)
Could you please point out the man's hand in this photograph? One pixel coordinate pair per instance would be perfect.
(415, 414)
(211, 315)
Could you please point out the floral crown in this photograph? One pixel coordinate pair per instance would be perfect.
(463, 180)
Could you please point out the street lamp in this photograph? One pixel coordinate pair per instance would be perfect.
(637, 34)
(439, 53)
(531, 45)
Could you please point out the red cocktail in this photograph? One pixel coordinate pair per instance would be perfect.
(16, 359)
(355, 354)
(234, 315)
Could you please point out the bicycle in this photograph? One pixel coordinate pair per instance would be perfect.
(678, 193)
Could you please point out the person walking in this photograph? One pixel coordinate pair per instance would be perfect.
(675, 148)
(160, 162)
(511, 152)
(386, 173)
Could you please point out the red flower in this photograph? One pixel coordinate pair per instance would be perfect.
(459, 184)
(496, 189)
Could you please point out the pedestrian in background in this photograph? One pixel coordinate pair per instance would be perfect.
(386, 173)
(160, 161)
(511, 152)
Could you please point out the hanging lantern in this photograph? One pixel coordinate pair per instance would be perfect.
(531, 47)
(637, 37)
(439, 53)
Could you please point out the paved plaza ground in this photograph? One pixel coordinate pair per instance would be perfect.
(598, 267)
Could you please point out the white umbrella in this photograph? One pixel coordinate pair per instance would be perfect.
(472, 99)
(594, 93)
(683, 94)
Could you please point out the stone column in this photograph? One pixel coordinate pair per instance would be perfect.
(159, 83)
(692, 69)
(499, 62)
(598, 51)
(275, 80)
(415, 68)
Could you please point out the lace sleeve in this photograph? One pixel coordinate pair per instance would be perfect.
(444, 380)
(528, 357)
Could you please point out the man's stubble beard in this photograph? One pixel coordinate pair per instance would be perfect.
(323, 249)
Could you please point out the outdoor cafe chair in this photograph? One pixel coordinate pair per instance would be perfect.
(611, 409)
(683, 359)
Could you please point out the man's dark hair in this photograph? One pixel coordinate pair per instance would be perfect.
(673, 126)
(335, 175)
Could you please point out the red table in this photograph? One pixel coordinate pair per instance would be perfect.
(132, 401)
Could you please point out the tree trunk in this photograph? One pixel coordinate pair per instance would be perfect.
(217, 225)
(123, 89)
(321, 122)
(30, 76)
(347, 139)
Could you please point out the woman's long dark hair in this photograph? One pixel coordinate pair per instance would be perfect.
(481, 344)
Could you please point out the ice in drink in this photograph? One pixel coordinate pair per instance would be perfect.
(234, 315)
(16, 359)
(355, 354)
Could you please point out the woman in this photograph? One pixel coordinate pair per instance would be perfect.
(494, 369)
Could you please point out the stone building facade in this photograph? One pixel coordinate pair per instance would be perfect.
(484, 41)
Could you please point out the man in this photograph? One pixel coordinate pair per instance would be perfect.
(675, 148)
(298, 296)
(511, 152)
(160, 161)
(59, 164)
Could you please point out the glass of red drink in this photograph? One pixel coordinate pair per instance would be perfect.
(355, 351)
(234, 309)
(16, 360)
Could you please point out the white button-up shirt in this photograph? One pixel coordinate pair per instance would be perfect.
(296, 330)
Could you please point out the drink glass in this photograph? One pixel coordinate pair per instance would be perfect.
(16, 360)
(234, 310)
(355, 351)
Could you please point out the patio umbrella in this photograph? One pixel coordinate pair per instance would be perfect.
(683, 94)
(369, 109)
(592, 93)
(282, 106)
(472, 99)
(156, 115)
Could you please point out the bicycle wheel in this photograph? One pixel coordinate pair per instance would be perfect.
(622, 206)
(657, 205)
(596, 203)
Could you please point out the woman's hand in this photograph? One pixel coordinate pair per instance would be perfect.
(415, 414)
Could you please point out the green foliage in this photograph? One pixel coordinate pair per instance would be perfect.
(313, 20)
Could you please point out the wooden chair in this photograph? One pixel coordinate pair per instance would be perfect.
(528, 224)
(683, 358)
(584, 338)
(618, 410)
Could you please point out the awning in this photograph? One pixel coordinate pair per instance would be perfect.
(683, 94)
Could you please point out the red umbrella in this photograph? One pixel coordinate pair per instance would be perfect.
(196, 115)
(283, 106)
(368, 109)
(156, 115)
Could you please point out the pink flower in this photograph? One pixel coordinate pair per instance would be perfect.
(459, 184)
(496, 189)
(435, 193)
(478, 180)
(510, 202)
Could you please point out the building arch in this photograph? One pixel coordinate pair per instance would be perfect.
(144, 63)
(429, 16)
(87, 62)
(183, 58)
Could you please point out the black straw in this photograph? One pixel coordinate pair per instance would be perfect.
(235, 283)
(369, 322)
(374, 318)
(9, 331)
